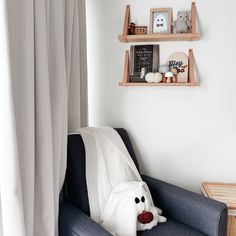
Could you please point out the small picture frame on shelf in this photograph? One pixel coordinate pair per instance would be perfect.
(160, 20)
(143, 59)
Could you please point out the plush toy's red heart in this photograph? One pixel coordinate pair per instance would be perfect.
(145, 217)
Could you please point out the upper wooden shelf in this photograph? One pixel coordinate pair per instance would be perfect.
(159, 37)
(188, 84)
(192, 36)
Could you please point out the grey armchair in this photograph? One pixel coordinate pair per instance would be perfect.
(188, 213)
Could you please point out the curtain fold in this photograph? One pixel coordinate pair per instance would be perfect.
(45, 59)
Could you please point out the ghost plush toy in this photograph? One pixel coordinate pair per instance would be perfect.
(129, 209)
(160, 24)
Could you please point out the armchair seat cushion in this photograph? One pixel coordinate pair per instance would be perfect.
(171, 228)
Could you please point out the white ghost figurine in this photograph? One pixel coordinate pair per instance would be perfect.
(160, 24)
(129, 209)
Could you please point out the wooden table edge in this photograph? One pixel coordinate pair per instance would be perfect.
(206, 192)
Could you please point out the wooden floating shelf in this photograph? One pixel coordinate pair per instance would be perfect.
(192, 82)
(159, 37)
(192, 36)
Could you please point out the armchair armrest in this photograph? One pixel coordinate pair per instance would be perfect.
(201, 213)
(73, 222)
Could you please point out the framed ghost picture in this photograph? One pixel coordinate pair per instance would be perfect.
(160, 21)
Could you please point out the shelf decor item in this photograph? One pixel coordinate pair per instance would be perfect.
(192, 35)
(164, 69)
(169, 75)
(178, 64)
(140, 30)
(137, 30)
(131, 29)
(143, 59)
(183, 22)
(175, 72)
(153, 77)
(160, 20)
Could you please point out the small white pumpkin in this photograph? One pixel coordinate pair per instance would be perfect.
(153, 77)
(150, 77)
(158, 77)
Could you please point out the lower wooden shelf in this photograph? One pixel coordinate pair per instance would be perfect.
(190, 84)
(192, 81)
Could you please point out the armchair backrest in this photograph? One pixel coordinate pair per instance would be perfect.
(75, 180)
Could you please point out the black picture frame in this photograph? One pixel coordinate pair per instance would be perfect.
(143, 59)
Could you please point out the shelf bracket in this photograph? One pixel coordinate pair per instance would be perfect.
(191, 72)
(193, 18)
(126, 21)
(126, 68)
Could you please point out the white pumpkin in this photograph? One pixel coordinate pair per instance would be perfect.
(150, 77)
(158, 77)
(153, 77)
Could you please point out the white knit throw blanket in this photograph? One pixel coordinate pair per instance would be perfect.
(109, 168)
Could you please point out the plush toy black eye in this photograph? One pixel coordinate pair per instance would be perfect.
(161, 19)
(137, 200)
(180, 16)
(143, 199)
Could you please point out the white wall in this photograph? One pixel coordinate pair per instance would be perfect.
(7, 134)
(181, 135)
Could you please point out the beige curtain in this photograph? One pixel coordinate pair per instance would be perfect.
(48, 76)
